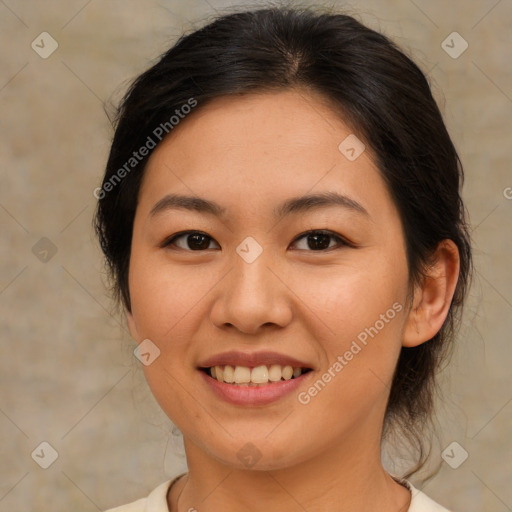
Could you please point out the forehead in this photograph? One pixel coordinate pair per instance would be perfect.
(287, 123)
(256, 148)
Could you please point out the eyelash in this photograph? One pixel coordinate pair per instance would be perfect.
(342, 242)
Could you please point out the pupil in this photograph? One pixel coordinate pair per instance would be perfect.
(322, 244)
(199, 245)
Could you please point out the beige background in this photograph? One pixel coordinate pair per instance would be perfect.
(68, 375)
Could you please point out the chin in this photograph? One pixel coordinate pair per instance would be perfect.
(257, 454)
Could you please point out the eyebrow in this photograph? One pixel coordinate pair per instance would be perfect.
(290, 206)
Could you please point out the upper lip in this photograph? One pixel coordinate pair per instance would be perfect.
(251, 359)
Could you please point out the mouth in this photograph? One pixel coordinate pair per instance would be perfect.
(256, 376)
(253, 378)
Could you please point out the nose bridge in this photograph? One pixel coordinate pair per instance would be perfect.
(252, 295)
(251, 274)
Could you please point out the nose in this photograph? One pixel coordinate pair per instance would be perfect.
(253, 296)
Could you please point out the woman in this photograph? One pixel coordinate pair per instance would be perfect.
(281, 218)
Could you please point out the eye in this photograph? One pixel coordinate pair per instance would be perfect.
(195, 240)
(318, 240)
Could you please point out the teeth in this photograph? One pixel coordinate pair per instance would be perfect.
(245, 376)
(229, 374)
(259, 375)
(242, 375)
(287, 372)
(274, 373)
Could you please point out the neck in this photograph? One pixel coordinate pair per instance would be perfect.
(343, 479)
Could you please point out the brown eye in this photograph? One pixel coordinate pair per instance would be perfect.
(320, 240)
(317, 241)
(194, 241)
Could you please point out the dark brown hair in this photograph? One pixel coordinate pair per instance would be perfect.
(384, 97)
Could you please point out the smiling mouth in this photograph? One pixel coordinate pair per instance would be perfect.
(254, 376)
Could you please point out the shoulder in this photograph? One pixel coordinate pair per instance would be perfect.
(156, 501)
(420, 502)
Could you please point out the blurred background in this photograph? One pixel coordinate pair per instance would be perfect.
(79, 429)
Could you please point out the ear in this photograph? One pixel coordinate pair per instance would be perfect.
(132, 325)
(433, 297)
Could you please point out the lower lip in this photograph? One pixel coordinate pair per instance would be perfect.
(253, 395)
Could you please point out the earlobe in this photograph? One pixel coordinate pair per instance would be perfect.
(432, 299)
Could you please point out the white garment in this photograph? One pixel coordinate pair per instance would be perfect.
(156, 501)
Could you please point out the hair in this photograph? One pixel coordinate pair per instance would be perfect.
(379, 92)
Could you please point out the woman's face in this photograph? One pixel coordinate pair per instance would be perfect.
(253, 290)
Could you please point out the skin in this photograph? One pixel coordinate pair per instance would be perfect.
(250, 153)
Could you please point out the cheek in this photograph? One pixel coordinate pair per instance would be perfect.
(350, 298)
(367, 336)
(363, 308)
(165, 306)
(164, 296)
(360, 361)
